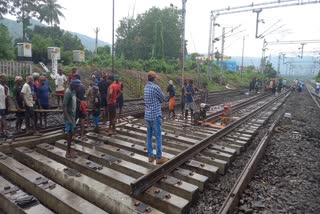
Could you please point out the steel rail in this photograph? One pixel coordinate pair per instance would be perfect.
(146, 181)
(313, 97)
(234, 196)
(215, 116)
(249, 170)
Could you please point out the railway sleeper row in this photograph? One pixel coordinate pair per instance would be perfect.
(99, 180)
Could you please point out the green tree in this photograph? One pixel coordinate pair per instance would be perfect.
(4, 7)
(40, 46)
(105, 50)
(158, 51)
(24, 10)
(269, 71)
(6, 48)
(136, 37)
(50, 12)
(71, 42)
(127, 39)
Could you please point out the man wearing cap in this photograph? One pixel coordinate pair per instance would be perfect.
(18, 102)
(172, 98)
(27, 95)
(4, 104)
(153, 97)
(43, 98)
(112, 94)
(70, 109)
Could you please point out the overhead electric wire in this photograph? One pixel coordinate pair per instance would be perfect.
(270, 27)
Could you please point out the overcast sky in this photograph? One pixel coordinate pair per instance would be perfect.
(299, 22)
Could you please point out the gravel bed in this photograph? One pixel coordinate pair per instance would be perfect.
(288, 177)
(213, 197)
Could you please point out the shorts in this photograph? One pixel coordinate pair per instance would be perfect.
(45, 106)
(29, 112)
(103, 102)
(120, 101)
(171, 103)
(70, 127)
(79, 114)
(112, 108)
(189, 106)
(3, 112)
(20, 114)
(59, 93)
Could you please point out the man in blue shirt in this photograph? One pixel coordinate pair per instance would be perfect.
(153, 97)
(189, 101)
(43, 98)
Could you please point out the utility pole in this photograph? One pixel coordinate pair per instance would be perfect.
(183, 43)
(210, 37)
(263, 61)
(209, 45)
(302, 45)
(222, 48)
(257, 22)
(198, 71)
(113, 37)
(96, 31)
(242, 56)
(279, 59)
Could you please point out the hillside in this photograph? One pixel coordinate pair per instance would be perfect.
(15, 30)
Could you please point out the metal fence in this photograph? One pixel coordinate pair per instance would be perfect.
(12, 68)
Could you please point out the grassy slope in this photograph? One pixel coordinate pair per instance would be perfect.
(134, 81)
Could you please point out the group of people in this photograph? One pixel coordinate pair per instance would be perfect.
(79, 103)
(33, 94)
(276, 86)
(298, 84)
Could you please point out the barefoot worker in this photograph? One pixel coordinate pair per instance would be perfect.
(69, 109)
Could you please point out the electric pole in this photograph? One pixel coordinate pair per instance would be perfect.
(112, 36)
(242, 56)
(96, 31)
(279, 59)
(302, 45)
(257, 22)
(222, 48)
(183, 42)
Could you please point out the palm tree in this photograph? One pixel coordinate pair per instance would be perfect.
(50, 12)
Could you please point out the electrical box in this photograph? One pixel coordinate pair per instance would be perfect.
(24, 50)
(54, 50)
(78, 56)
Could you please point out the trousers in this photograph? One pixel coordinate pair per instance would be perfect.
(154, 128)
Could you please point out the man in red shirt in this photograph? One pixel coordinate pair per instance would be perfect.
(71, 74)
(112, 95)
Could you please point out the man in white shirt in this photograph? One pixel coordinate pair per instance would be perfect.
(61, 81)
(4, 93)
(26, 93)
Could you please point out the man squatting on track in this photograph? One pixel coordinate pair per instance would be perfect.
(153, 97)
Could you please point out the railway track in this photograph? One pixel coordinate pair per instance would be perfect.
(132, 107)
(103, 178)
